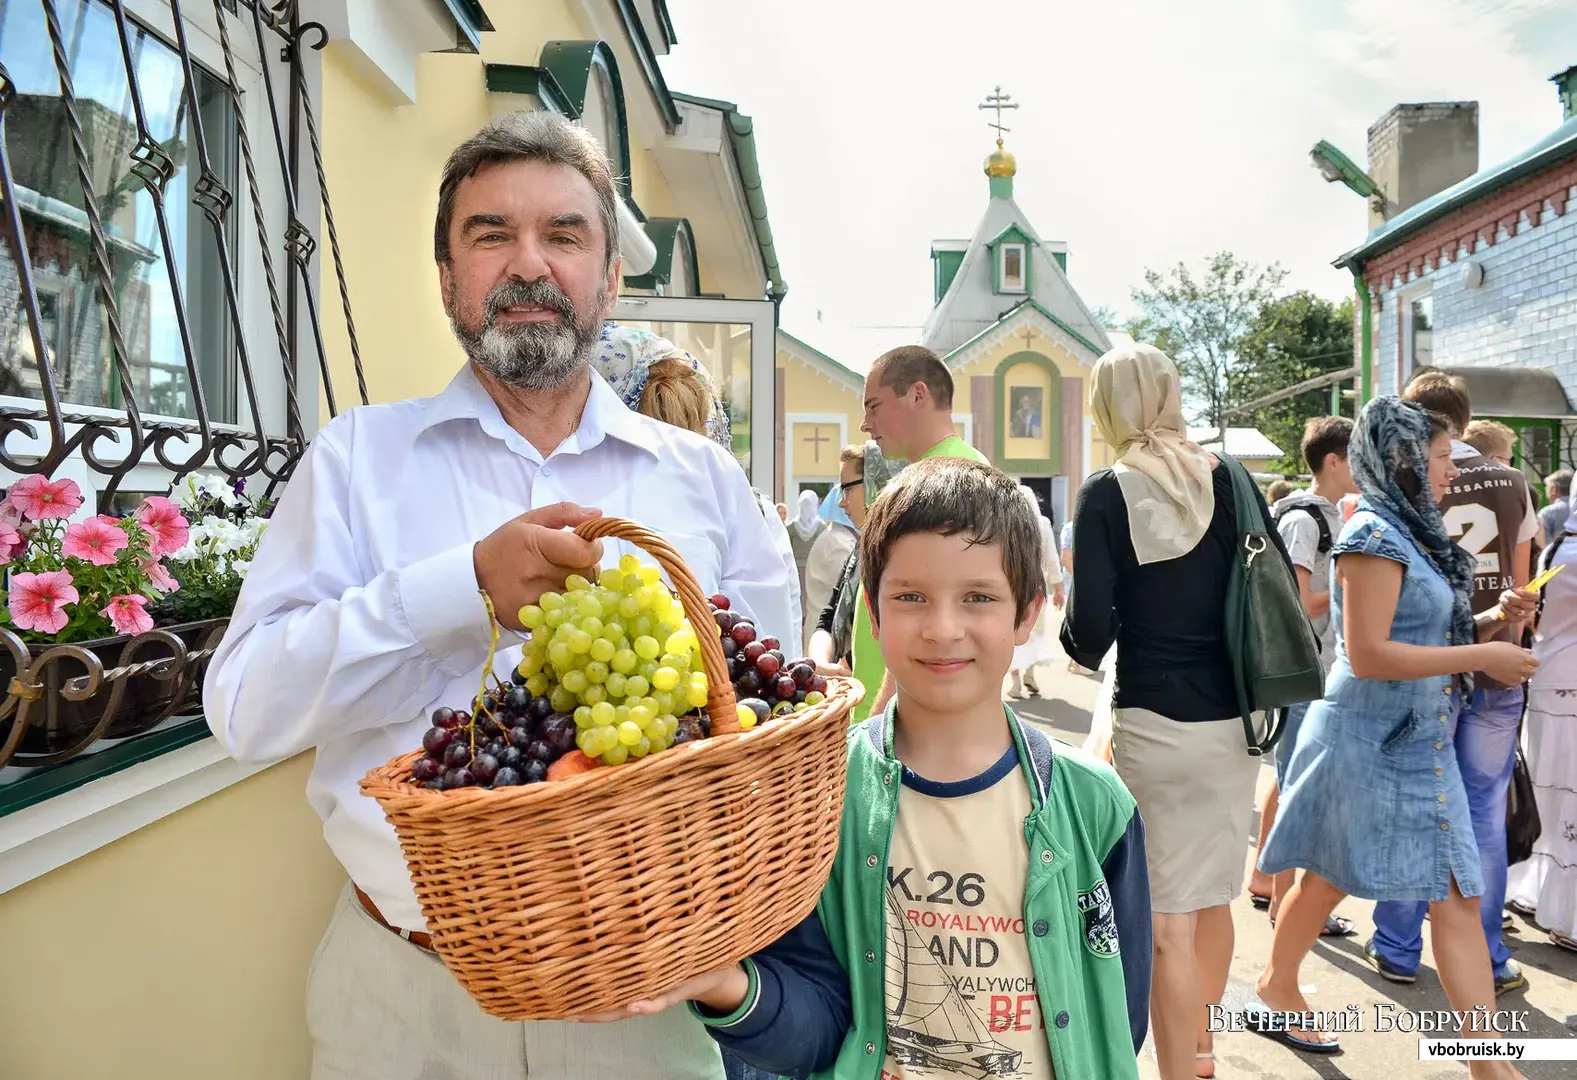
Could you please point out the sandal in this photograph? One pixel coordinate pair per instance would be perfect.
(1262, 1020)
(1261, 903)
(1561, 941)
(1335, 926)
(1205, 1059)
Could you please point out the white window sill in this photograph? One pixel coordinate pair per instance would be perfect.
(61, 829)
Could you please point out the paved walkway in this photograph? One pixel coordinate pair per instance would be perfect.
(1335, 975)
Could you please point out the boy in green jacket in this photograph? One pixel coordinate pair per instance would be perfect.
(990, 899)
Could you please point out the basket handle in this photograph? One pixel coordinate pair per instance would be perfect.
(720, 704)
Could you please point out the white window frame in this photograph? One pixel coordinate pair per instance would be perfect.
(1406, 362)
(761, 317)
(52, 833)
(252, 289)
(1002, 267)
(791, 479)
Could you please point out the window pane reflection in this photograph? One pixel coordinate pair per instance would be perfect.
(55, 222)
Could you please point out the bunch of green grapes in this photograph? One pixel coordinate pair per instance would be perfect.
(618, 655)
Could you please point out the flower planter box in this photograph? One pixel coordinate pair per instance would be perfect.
(140, 681)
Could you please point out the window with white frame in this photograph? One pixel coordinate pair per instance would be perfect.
(1417, 311)
(171, 269)
(55, 218)
(1011, 272)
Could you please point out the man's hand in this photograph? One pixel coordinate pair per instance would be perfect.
(1058, 597)
(533, 554)
(720, 991)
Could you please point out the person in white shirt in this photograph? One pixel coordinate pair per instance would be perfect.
(362, 610)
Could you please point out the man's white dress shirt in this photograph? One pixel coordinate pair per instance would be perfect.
(361, 612)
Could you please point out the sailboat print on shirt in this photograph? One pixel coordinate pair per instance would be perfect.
(930, 1027)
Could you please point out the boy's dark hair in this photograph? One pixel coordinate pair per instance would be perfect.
(900, 368)
(953, 496)
(1443, 394)
(1322, 436)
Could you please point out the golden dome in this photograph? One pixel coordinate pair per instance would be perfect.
(1001, 163)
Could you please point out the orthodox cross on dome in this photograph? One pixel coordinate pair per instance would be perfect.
(998, 101)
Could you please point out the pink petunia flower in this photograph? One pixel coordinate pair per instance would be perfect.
(127, 614)
(10, 516)
(159, 577)
(41, 498)
(11, 542)
(38, 601)
(95, 540)
(163, 520)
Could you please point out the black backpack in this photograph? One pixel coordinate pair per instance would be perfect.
(1326, 540)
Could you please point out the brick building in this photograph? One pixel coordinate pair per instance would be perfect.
(1475, 271)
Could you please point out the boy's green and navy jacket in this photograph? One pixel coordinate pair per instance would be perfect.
(1086, 843)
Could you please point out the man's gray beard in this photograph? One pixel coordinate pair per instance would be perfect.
(531, 356)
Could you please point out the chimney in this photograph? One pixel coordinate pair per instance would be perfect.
(1566, 86)
(1416, 151)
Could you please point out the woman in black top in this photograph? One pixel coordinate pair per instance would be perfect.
(1156, 536)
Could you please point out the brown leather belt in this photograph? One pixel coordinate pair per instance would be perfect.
(421, 941)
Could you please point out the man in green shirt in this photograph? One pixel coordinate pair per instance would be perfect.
(909, 416)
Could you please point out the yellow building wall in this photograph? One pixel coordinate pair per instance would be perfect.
(179, 952)
(1029, 376)
(1068, 366)
(807, 390)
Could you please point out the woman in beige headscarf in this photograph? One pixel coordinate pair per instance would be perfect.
(1156, 535)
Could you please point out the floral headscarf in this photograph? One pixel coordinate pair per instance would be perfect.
(1393, 434)
(625, 356)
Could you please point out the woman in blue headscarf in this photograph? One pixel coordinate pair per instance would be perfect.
(1373, 805)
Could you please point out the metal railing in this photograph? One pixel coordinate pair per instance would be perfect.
(61, 699)
(113, 445)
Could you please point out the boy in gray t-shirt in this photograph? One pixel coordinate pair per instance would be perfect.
(1309, 522)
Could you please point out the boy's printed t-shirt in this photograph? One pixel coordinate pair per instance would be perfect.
(960, 987)
(1488, 511)
(1301, 535)
(868, 666)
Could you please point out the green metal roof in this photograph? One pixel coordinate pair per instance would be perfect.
(471, 21)
(824, 358)
(1010, 312)
(1557, 145)
(646, 56)
(664, 234)
(742, 139)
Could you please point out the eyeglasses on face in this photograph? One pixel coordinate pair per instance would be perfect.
(849, 485)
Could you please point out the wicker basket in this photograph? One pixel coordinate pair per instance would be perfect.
(581, 895)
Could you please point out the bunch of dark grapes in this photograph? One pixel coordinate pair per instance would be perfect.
(508, 738)
(765, 682)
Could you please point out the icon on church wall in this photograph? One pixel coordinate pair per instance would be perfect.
(1025, 405)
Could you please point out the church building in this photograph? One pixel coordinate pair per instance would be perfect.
(1018, 339)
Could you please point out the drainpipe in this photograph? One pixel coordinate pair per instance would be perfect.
(1366, 345)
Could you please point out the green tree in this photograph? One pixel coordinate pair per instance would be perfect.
(1106, 318)
(1201, 322)
(1292, 338)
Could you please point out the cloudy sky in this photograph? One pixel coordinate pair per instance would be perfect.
(1150, 131)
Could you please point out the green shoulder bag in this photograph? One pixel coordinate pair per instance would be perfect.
(1275, 652)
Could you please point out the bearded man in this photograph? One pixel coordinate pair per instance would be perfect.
(362, 611)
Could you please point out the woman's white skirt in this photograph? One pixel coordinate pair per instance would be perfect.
(1548, 880)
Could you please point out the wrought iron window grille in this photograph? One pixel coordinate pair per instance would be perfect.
(50, 711)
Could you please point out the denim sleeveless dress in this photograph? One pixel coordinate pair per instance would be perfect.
(1373, 801)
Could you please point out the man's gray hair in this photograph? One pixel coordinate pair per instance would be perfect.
(529, 136)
